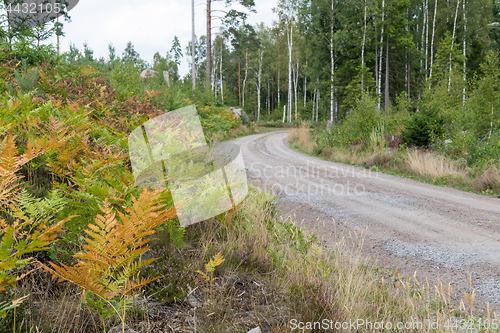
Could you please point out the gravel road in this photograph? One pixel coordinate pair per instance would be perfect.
(446, 235)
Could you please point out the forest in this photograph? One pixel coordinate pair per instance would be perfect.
(405, 87)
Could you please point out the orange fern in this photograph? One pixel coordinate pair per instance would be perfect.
(113, 249)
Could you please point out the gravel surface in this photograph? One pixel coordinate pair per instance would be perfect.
(446, 235)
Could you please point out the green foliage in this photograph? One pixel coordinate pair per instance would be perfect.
(124, 77)
(42, 208)
(216, 120)
(485, 102)
(423, 127)
(358, 125)
(22, 231)
(217, 260)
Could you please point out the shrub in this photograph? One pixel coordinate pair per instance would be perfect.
(422, 127)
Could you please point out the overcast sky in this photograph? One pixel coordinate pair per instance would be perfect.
(149, 24)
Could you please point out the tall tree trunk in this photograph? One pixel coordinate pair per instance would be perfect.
(259, 76)
(380, 60)
(453, 42)
(305, 84)
(278, 86)
(464, 53)
(290, 46)
(426, 37)
(295, 85)
(239, 80)
(214, 73)
(377, 83)
(491, 121)
(362, 55)
(268, 98)
(245, 79)
(314, 104)
(221, 78)
(432, 39)
(193, 62)
(284, 112)
(332, 72)
(272, 95)
(209, 41)
(317, 107)
(387, 74)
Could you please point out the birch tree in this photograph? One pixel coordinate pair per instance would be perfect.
(259, 83)
(432, 39)
(363, 51)
(453, 42)
(245, 78)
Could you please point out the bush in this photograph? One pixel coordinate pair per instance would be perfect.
(423, 127)
(125, 79)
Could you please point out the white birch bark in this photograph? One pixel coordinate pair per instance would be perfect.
(380, 54)
(259, 83)
(464, 53)
(314, 104)
(268, 97)
(245, 79)
(290, 46)
(317, 106)
(295, 86)
(362, 57)
(432, 39)
(453, 42)
(305, 84)
(426, 37)
(221, 77)
(278, 85)
(332, 72)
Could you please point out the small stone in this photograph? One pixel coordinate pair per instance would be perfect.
(193, 301)
(255, 330)
(118, 329)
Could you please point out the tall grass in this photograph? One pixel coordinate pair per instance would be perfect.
(432, 165)
(302, 137)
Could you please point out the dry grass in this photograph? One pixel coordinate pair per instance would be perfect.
(432, 165)
(489, 180)
(292, 276)
(360, 290)
(302, 138)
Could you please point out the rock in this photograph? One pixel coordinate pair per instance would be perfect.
(147, 73)
(255, 330)
(118, 329)
(236, 111)
(193, 301)
(240, 114)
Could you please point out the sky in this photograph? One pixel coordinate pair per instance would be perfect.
(149, 24)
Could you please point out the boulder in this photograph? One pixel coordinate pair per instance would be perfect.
(240, 114)
(147, 73)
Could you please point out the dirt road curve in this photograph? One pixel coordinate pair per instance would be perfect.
(441, 233)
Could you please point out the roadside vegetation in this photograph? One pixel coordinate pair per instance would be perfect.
(82, 249)
(457, 146)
